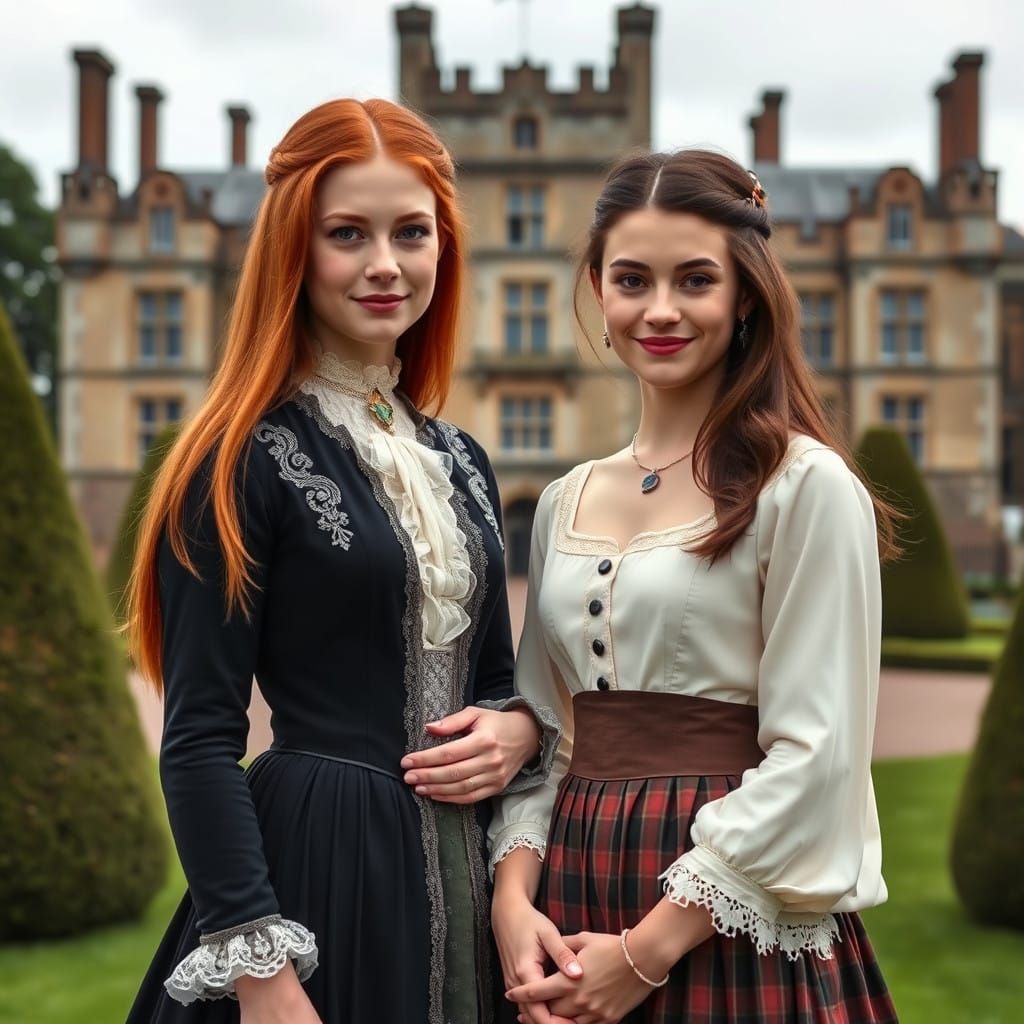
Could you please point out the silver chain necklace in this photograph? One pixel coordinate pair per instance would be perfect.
(653, 478)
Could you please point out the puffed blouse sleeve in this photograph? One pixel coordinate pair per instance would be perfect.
(522, 819)
(773, 857)
(209, 659)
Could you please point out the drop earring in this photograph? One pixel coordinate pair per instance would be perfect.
(742, 336)
(604, 337)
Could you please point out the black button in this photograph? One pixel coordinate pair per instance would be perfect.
(595, 607)
(605, 567)
(598, 647)
(602, 683)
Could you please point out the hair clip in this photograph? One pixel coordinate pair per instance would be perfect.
(758, 197)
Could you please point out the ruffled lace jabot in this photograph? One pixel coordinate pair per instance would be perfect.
(416, 478)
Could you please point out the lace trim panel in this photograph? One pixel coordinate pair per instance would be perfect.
(323, 496)
(472, 834)
(731, 917)
(259, 949)
(550, 737)
(477, 483)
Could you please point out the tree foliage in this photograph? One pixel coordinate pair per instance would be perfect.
(28, 271)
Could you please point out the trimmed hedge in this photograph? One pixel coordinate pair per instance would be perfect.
(119, 568)
(988, 835)
(80, 840)
(922, 594)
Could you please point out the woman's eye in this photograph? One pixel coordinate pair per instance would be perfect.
(346, 233)
(413, 233)
(697, 281)
(631, 281)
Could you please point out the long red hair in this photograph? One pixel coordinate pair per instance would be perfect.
(768, 389)
(267, 355)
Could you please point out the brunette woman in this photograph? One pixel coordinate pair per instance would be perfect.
(314, 528)
(704, 611)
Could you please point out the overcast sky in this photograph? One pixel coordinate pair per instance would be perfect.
(858, 79)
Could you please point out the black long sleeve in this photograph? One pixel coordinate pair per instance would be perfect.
(209, 660)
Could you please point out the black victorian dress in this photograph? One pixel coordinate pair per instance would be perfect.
(379, 606)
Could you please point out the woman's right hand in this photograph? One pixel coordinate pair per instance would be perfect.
(526, 940)
(280, 999)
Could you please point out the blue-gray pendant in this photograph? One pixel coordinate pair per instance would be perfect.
(649, 482)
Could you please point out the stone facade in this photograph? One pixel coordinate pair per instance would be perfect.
(913, 292)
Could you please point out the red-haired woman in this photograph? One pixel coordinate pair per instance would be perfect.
(312, 527)
(704, 610)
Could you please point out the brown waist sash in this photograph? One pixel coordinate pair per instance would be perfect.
(629, 734)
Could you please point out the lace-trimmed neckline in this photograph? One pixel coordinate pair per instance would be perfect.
(571, 541)
(356, 378)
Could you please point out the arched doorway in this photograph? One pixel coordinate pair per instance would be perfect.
(518, 529)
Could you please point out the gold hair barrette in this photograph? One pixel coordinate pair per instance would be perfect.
(758, 197)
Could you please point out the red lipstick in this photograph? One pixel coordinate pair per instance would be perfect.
(381, 304)
(663, 344)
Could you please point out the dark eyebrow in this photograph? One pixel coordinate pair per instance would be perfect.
(700, 261)
(355, 218)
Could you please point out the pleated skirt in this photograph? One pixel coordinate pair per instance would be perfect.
(345, 852)
(609, 842)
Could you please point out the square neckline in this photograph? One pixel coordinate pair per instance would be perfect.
(669, 536)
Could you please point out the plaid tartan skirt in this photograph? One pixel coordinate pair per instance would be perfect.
(609, 842)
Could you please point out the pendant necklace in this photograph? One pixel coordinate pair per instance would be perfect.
(381, 411)
(653, 478)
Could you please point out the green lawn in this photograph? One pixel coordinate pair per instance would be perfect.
(942, 969)
(977, 652)
(89, 980)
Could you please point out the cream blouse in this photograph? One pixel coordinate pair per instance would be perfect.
(789, 621)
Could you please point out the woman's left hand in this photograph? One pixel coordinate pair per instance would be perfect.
(479, 764)
(608, 990)
(605, 993)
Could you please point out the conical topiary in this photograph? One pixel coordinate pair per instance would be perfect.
(81, 842)
(119, 568)
(988, 834)
(922, 593)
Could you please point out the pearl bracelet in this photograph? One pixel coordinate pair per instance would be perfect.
(636, 971)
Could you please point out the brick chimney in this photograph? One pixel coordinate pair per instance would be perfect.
(966, 106)
(944, 94)
(94, 71)
(766, 128)
(240, 119)
(149, 97)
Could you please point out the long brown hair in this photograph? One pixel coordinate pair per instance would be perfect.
(768, 389)
(267, 356)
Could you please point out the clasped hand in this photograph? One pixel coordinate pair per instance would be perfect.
(606, 992)
(481, 763)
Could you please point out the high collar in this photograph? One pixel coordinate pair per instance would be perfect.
(356, 378)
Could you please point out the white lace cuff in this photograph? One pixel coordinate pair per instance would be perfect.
(532, 775)
(260, 949)
(749, 910)
(526, 835)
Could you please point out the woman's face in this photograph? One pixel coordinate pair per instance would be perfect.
(372, 258)
(670, 295)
